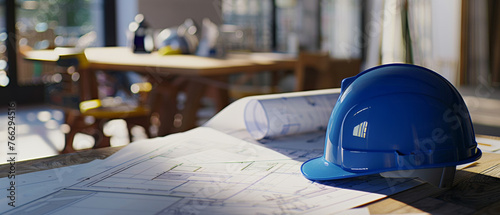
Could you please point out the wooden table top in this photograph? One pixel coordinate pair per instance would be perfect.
(196, 69)
(122, 58)
(476, 188)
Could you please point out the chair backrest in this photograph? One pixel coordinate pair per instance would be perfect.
(79, 60)
(62, 86)
(319, 71)
(343, 68)
(310, 68)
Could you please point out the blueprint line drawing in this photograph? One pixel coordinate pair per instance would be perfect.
(188, 173)
(219, 168)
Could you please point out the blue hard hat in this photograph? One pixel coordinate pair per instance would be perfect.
(176, 43)
(177, 40)
(394, 117)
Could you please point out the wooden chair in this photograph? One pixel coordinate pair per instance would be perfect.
(91, 115)
(320, 71)
(343, 68)
(311, 68)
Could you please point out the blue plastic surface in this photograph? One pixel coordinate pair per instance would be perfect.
(395, 117)
(176, 42)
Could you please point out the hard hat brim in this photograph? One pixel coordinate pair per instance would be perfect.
(319, 169)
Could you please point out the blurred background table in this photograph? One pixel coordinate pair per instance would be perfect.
(189, 73)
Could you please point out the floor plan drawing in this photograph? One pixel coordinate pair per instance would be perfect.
(189, 173)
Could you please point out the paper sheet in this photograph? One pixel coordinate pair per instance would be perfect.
(31, 186)
(190, 173)
(488, 144)
(216, 169)
(234, 113)
(269, 118)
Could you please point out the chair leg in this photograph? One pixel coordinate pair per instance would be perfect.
(166, 106)
(143, 121)
(129, 129)
(73, 119)
(68, 145)
(101, 140)
(147, 127)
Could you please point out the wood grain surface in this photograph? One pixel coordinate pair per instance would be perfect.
(476, 189)
(57, 161)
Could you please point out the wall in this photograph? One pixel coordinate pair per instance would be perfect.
(168, 13)
(161, 14)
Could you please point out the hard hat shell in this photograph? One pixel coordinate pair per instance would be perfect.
(176, 44)
(394, 117)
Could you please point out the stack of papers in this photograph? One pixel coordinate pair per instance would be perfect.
(215, 169)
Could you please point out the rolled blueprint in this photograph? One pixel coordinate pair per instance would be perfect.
(268, 118)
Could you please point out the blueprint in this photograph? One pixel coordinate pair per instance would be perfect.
(239, 112)
(31, 186)
(215, 169)
(268, 118)
(189, 173)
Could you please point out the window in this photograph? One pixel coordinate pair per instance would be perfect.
(42, 24)
(46, 24)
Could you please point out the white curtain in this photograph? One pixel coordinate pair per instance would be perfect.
(421, 32)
